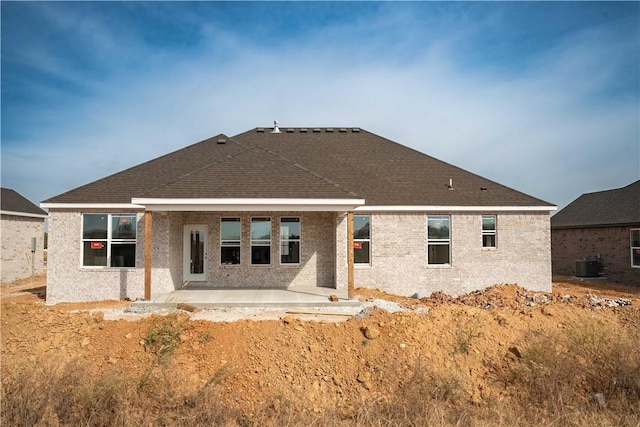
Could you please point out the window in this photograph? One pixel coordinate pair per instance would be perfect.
(290, 240)
(260, 241)
(438, 239)
(362, 239)
(230, 241)
(488, 231)
(109, 240)
(635, 247)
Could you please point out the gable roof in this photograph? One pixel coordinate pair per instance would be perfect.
(301, 163)
(617, 207)
(13, 203)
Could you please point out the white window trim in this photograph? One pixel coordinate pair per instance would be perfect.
(439, 242)
(251, 244)
(239, 246)
(370, 263)
(299, 240)
(109, 241)
(631, 248)
(489, 233)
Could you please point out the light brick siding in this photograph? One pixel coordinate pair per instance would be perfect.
(68, 281)
(317, 263)
(399, 248)
(18, 262)
(399, 254)
(611, 245)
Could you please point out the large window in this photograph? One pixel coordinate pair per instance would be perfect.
(362, 239)
(260, 241)
(488, 231)
(438, 239)
(109, 240)
(290, 240)
(635, 247)
(230, 237)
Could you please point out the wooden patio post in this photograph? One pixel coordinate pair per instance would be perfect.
(350, 290)
(148, 232)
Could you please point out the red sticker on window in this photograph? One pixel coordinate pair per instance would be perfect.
(357, 245)
(96, 245)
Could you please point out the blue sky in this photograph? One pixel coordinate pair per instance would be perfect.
(543, 97)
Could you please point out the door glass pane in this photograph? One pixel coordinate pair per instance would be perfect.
(197, 252)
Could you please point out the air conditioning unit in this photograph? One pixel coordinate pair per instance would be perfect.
(587, 268)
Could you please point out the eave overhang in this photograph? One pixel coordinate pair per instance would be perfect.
(24, 214)
(244, 205)
(434, 208)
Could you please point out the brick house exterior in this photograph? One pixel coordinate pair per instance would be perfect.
(20, 223)
(604, 227)
(271, 208)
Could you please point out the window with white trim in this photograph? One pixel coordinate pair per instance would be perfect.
(260, 241)
(635, 247)
(290, 240)
(438, 240)
(488, 231)
(230, 238)
(362, 239)
(108, 240)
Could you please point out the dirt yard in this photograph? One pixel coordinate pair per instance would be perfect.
(473, 352)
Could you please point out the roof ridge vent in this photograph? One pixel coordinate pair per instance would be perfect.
(276, 129)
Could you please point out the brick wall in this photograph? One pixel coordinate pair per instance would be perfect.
(399, 263)
(18, 262)
(609, 245)
(399, 254)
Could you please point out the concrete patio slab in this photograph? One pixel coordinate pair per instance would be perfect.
(254, 297)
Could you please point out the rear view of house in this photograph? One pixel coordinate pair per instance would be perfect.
(22, 229)
(598, 234)
(278, 207)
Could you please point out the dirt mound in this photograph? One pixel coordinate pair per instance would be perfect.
(462, 345)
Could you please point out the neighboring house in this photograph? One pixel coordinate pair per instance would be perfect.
(272, 207)
(603, 229)
(22, 231)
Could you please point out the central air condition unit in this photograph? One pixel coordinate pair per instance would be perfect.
(586, 268)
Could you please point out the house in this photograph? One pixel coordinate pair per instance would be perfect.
(22, 230)
(275, 207)
(598, 234)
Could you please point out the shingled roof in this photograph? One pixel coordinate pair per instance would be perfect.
(301, 163)
(618, 207)
(12, 202)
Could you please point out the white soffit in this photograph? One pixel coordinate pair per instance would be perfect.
(90, 206)
(455, 208)
(25, 214)
(239, 205)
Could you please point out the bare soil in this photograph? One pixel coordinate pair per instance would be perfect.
(314, 362)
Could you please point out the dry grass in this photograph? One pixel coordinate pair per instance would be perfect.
(553, 383)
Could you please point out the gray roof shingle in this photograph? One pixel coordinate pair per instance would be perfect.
(12, 201)
(338, 163)
(617, 207)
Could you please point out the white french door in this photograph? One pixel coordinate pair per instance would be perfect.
(195, 253)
